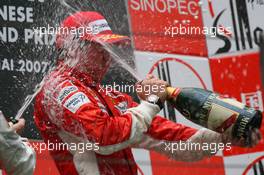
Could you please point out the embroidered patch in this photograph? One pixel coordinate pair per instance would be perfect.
(65, 92)
(122, 107)
(76, 101)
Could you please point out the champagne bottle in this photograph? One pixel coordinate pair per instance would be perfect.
(210, 110)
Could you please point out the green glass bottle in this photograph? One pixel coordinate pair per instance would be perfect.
(210, 110)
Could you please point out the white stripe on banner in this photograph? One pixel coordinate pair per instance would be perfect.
(1, 172)
(142, 158)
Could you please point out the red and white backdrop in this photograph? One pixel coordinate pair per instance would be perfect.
(226, 62)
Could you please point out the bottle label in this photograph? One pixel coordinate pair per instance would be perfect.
(242, 126)
(221, 118)
(230, 117)
(205, 110)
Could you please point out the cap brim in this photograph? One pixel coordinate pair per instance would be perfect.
(109, 39)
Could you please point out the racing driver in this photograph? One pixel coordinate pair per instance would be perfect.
(72, 107)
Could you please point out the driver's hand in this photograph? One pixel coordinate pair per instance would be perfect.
(152, 85)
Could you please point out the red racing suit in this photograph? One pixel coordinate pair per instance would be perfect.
(72, 109)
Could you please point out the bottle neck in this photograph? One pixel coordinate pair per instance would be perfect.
(173, 92)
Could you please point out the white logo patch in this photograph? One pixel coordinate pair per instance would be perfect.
(99, 26)
(122, 107)
(76, 101)
(65, 92)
